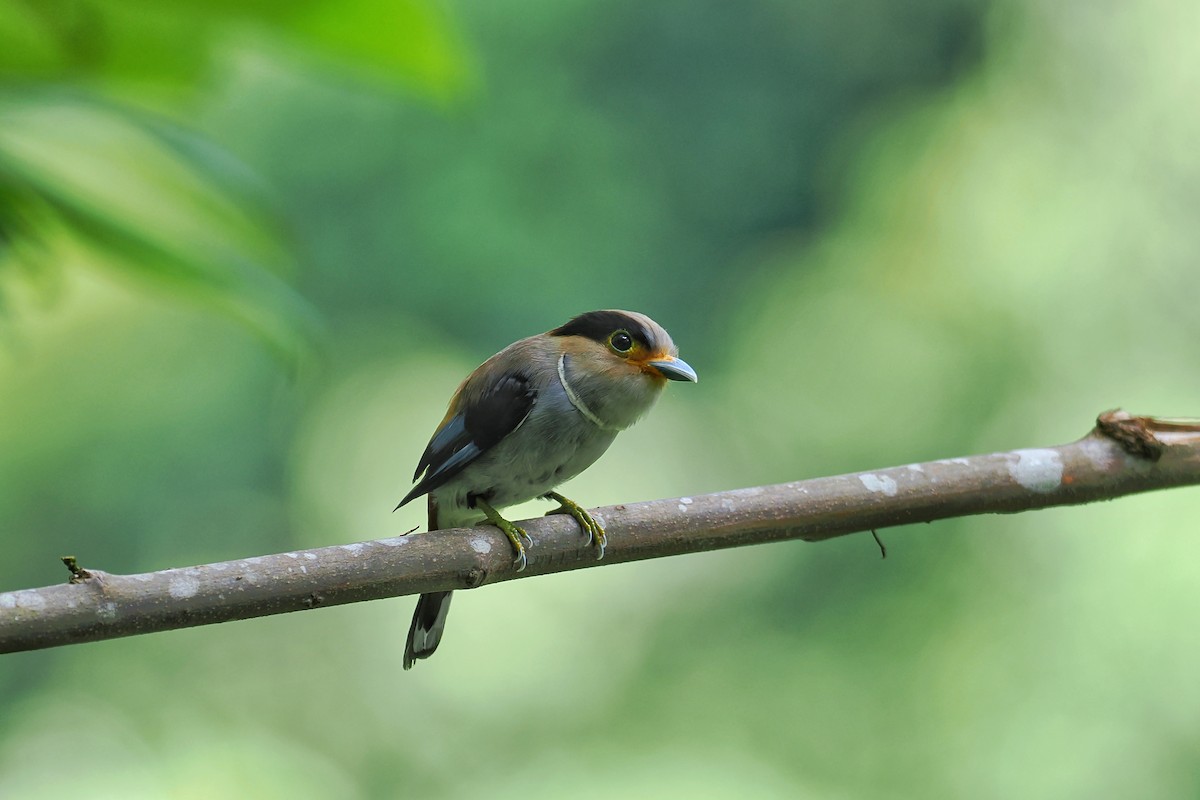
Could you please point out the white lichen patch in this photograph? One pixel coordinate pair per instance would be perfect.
(1036, 470)
(310, 556)
(355, 548)
(481, 545)
(107, 612)
(879, 483)
(684, 502)
(182, 586)
(916, 468)
(26, 600)
(1099, 453)
(31, 601)
(394, 541)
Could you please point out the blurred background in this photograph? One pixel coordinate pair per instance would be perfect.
(248, 250)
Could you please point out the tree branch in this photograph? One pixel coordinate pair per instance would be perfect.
(1122, 455)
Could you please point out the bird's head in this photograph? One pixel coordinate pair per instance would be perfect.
(619, 362)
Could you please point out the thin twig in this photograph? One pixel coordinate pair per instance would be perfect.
(1103, 465)
(878, 541)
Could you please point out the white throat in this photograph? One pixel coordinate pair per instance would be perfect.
(577, 401)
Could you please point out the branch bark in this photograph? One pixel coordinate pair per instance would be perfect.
(1122, 455)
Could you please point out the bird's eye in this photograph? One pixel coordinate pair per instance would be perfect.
(621, 342)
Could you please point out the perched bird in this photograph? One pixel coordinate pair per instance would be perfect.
(536, 414)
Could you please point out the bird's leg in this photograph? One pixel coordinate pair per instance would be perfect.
(593, 529)
(514, 533)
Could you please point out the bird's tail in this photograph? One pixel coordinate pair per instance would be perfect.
(429, 620)
(427, 624)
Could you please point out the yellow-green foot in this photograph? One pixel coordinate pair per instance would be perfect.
(593, 529)
(514, 533)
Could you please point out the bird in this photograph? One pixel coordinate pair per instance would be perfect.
(532, 416)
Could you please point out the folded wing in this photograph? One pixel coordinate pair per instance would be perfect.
(477, 422)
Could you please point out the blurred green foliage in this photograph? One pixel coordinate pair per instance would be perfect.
(81, 180)
(151, 198)
(882, 233)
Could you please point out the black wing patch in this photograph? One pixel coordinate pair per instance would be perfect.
(474, 430)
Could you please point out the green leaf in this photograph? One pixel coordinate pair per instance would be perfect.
(411, 39)
(30, 38)
(171, 42)
(77, 174)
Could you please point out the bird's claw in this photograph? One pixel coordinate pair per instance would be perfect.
(514, 533)
(600, 539)
(593, 529)
(520, 562)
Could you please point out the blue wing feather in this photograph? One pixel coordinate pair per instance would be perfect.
(476, 428)
(448, 438)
